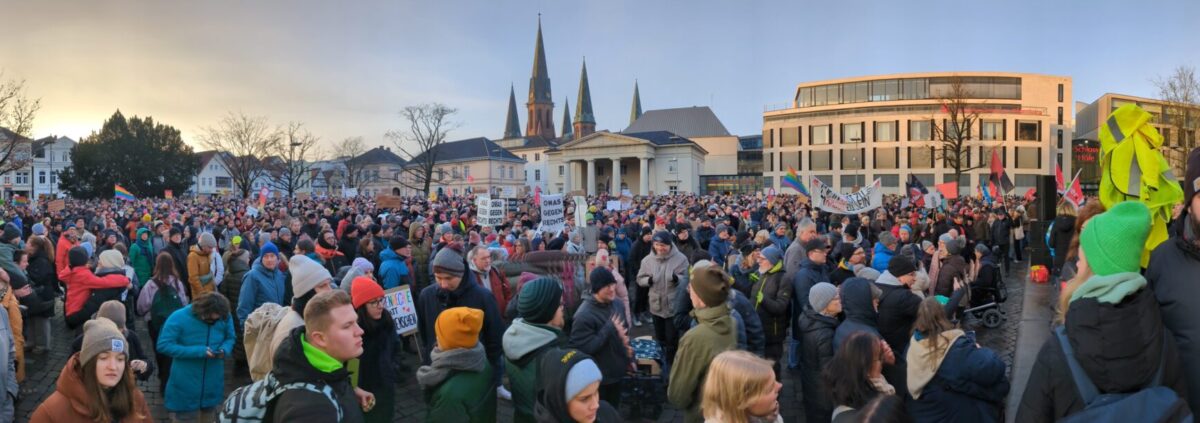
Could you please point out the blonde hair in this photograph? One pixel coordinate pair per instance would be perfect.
(735, 380)
(1064, 298)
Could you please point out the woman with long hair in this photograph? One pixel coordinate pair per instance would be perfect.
(45, 288)
(855, 375)
(741, 388)
(96, 385)
(949, 376)
(157, 307)
(376, 371)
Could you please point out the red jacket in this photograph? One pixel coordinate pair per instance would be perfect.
(69, 401)
(60, 253)
(81, 281)
(499, 287)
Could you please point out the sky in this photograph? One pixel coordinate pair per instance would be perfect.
(347, 68)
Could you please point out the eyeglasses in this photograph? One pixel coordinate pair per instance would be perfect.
(378, 302)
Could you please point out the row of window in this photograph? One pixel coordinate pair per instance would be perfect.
(1003, 88)
(672, 167)
(889, 158)
(918, 130)
(927, 179)
(537, 157)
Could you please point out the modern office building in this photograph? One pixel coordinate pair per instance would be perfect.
(1176, 124)
(848, 132)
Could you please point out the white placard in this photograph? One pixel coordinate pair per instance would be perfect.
(553, 218)
(581, 209)
(865, 199)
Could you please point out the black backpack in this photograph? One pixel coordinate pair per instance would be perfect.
(1153, 403)
(166, 301)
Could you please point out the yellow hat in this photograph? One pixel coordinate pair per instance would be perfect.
(458, 327)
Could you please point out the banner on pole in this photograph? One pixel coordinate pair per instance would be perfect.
(866, 199)
(399, 302)
(552, 213)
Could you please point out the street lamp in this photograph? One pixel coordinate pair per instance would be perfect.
(291, 167)
(857, 159)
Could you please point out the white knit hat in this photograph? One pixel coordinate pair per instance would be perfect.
(306, 274)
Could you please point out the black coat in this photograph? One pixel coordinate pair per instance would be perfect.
(302, 405)
(1172, 275)
(897, 311)
(1060, 238)
(969, 386)
(1001, 231)
(1119, 346)
(772, 309)
(592, 332)
(809, 274)
(858, 308)
(433, 300)
(377, 372)
(817, 350)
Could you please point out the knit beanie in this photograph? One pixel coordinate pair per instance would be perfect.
(582, 374)
(236, 240)
(268, 248)
(1191, 180)
(11, 232)
(39, 229)
(820, 295)
(364, 290)
(772, 254)
(306, 274)
(449, 260)
(662, 237)
(901, 265)
(113, 310)
(363, 265)
(906, 228)
(1113, 241)
(953, 245)
(925, 245)
(207, 240)
(539, 300)
(600, 278)
(77, 256)
(458, 327)
(866, 272)
(710, 285)
(101, 335)
(111, 259)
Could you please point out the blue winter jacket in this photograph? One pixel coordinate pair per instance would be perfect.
(718, 250)
(881, 257)
(197, 381)
(260, 286)
(970, 385)
(393, 271)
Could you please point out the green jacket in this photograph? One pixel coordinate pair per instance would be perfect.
(141, 257)
(6, 260)
(524, 344)
(468, 397)
(713, 335)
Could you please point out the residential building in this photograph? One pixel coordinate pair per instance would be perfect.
(377, 171)
(475, 165)
(51, 156)
(214, 178)
(848, 132)
(1177, 125)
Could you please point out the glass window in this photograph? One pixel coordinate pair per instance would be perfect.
(820, 160)
(856, 92)
(1028, 130)
(916, 89)
(889, 181)
(819, 97)
(920, 157)
(926, 179)
(887, 158)
(804, 99)
(561, 170)
(537, 157)
(992, 130)
(790, 160)
(885, 90)
(885, 131)
(825, 179)
(920, 130)
(1029, 157)
(819, 134)
(985, 155)
(790, 137)
(852, 159)
(852, 133)
(1024, 182)
(849, 182)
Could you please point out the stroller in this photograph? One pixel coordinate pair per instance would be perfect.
(987, 294)
(645, 391)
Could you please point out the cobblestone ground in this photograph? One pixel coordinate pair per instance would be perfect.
(42, 370)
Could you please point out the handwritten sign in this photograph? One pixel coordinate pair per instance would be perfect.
(491, 212)
(553, 218)
(387, 202)
(56, 206)
(399, 303)
(865, 199)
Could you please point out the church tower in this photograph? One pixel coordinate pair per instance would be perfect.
(566, 127)
(636, 109)
(585, 121)
(512, 128)
(540, 122)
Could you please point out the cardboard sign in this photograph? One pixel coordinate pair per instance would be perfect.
(513, 204)
(56, 206)
(399, 302)
(508, 192)
(553, 218)
(387, 202)
(581, 209)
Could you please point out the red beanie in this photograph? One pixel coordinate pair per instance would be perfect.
(364, 290)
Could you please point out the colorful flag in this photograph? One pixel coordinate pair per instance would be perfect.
(1074, 193)
(1030, 194)
(168, 194)
(123, 193)
(997, 175)
(537, 195)
(1059, 183)
(19, 201)
(949, 190)
(262, 197)
(987, 193)
(792, 180)
(916, 191)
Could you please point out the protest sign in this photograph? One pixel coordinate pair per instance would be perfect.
(508, 192)
(866, 199)
(490, 212)
(349, 192)
(251, 211)
(581, 209)
(552, 213)
(399, 302)
(56, 206)
(387, 202)
(513, 204)
(613, 205)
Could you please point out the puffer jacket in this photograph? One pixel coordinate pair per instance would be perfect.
(524, 344)
(200, 275)
(237, 265)
(897, 311)
(295, 363)
(818, 330)
(1118, 343)
(69, 402)
(772, 295)
(1060, 238)
(809, 274)
(952, 266)
(461, 389)
(881, 256)
(393, 270)
(663, 274)
(197, 380)
(259, 286)
(959, 382)
(1172, 276)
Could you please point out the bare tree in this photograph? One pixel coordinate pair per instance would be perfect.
(347, 153)
(1181, 92)
(243, 142)
(428, 125)
(289, 173)
(17, 112)
(956, 129)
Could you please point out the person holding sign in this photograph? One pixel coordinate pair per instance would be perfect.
(375, 369)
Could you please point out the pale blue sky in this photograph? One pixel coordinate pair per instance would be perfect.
(347, 68)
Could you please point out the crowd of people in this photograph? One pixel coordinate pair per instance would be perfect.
(867, 310)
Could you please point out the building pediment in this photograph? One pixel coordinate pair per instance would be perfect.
(604, 139)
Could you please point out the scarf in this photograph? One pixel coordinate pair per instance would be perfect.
(327, 253)
(443, 363)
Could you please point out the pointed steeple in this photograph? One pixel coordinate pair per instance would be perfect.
(585, 122)
(540, 122)
(636, 112)
(566, 128)
(512, 127)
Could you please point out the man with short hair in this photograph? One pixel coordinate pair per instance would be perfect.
(488, 276)
(713, 334)
(794, 253)
(313, 354)
(600, 330)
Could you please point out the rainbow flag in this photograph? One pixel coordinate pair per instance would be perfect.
(793, 181)
(122, 193)
(20, 201)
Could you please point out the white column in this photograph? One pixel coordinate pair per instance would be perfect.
(616, 179)
(590, 182)
(644, 182)
(568, 170)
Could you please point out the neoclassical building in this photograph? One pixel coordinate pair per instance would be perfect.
(642, 163)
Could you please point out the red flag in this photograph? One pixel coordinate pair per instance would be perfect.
(1058, 178)
(262, 197)
(997, 173)
(1029, 194)
(537, 196)
(949, 190)
(1074, 194)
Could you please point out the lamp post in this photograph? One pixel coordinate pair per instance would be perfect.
(291, 168)
(858, 165)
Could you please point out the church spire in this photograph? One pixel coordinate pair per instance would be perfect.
(512, 127)
(566, 128)
(636, 112)
(540, 122)
(585, 121)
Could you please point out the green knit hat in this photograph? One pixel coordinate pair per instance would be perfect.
(1113, 241)
(539, 300)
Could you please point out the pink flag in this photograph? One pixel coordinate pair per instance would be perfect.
(1074, 194)
(1058, 179)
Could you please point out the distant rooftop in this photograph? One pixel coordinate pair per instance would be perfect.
(687, 122)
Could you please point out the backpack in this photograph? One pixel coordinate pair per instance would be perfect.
(166, 301)
(251, 402)
(1153, 403)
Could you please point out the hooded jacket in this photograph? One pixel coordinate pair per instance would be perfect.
(69, 401)
(197, 381)
(771, 296)
(593, 333)
(393, 270)
(663, 275)
(959, 382)
(817, 350)
(433, 300)
(551, 403)
(141, 256)
(859, 311)
(297, 362)
(80, 282)
(713, 335)
(898, 307)
(199, 271)
(524, 344)
(718, 250)
(1172, 276)
(1060, 238)
(458, 386)
(952, 266)
(236, 265)
(1118, 343)
(810, 274)
(881, 256)
(259, 286)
